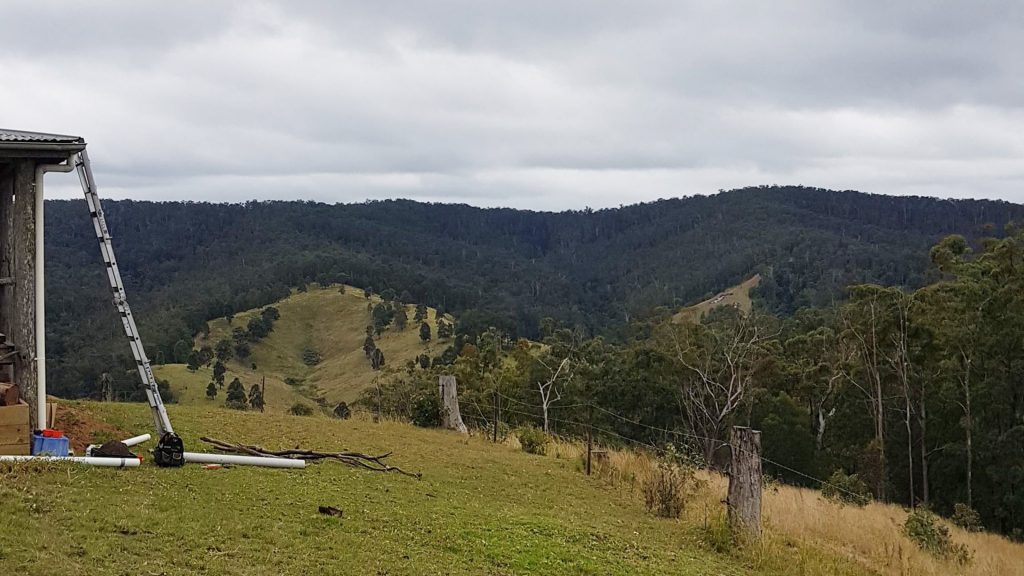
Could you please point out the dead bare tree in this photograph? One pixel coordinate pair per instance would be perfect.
(548, 388)
(720, 361)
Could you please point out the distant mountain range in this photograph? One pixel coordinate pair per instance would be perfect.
(187, 262)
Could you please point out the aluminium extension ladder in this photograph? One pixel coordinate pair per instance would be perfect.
(156, 404)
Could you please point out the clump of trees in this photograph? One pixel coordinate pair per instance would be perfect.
(237, 347)
(236, 397)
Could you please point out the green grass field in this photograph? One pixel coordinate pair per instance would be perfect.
(479, 509)
(323, 319)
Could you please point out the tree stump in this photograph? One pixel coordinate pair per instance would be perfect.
(451, 418)
(744, 500)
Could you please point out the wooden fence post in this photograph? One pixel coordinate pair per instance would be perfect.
(744, 500)
(451, 418)
(590, 435)
(497, 417)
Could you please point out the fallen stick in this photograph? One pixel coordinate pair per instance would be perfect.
(354, 459)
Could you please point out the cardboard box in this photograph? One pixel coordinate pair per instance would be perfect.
(14, 431)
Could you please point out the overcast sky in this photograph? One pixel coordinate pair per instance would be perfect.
(549, 105)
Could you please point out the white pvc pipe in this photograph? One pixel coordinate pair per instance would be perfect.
(136, 440)
(40, 278)
(268, 461)
(91, 460)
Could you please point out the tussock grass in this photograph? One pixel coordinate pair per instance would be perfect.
(805, 532)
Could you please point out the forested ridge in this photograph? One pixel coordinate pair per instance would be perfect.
(185, 263)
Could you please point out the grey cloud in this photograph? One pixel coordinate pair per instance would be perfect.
(545, 105)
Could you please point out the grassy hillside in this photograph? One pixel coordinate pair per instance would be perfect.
(738, 296)
(322, 319)
(480, 508)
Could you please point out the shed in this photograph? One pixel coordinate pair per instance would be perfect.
(25, 158)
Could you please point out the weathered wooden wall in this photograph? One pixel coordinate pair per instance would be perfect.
(17, 261)
(6, 230)
(6, 251)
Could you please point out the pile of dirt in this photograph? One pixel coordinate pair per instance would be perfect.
(83, 428)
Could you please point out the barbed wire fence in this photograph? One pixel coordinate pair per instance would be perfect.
(585, 430)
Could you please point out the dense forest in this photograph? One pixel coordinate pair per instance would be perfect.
(908, 396)
(599, 270)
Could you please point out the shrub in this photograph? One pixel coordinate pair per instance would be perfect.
(503, 431)
(844, 488)
(300, 409)
(236, 399)
(426, 411)
(310, 357)
(926, 530)
(966, 517)
(667, 487)
(342, 411)
(293, 381)
(533, 440)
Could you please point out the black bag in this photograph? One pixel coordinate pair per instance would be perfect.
(169, 451)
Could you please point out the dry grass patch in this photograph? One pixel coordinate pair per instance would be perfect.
(806, 532)
(738, 296)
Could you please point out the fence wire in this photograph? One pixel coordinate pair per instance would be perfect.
(656, 449)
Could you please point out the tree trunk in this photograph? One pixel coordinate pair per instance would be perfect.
(969, 426)
(451, 418)
(923, 423)
(907, 419)
(880, 440)
(819, 435)
(744, 500)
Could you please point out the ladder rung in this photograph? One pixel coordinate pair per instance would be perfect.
(6, 281)
(163, 423)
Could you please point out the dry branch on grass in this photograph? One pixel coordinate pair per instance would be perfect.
(355, 459)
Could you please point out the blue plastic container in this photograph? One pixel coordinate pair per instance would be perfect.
(49, 446)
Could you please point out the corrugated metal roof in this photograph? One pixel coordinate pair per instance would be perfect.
(40, 137)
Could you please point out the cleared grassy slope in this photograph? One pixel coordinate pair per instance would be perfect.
(479, 509)
(322, 319)
(738, 295)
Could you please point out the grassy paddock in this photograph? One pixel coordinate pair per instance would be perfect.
(323, 319)
(479, 509)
